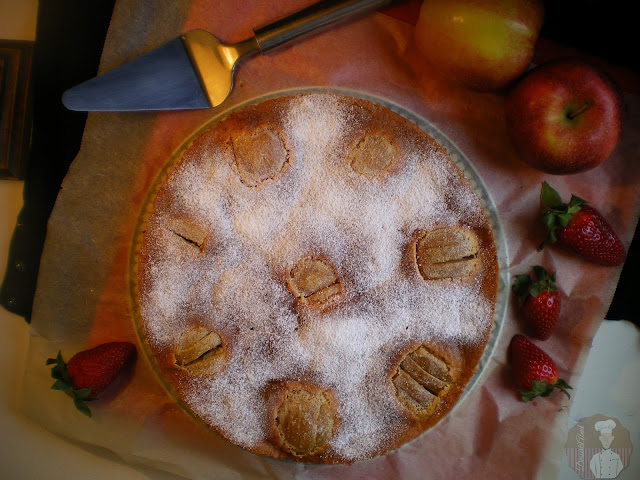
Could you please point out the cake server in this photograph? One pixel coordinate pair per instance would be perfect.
(196, 70)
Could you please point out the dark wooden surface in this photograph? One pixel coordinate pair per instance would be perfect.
(15, 107)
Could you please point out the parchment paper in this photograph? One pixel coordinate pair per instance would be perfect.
(83, 295)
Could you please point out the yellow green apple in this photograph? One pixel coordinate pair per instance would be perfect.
(564, 116)
(481, 44)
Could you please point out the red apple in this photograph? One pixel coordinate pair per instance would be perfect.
(564, 116)
(481, 44)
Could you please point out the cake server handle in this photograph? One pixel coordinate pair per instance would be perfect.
(311, 18)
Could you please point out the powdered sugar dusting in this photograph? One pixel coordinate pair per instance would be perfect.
(317, 205)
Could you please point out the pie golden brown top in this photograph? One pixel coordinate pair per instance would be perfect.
(314, 278)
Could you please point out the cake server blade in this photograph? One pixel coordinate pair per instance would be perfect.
(161, 79)
(196, 70)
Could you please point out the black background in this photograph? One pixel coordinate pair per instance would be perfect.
(69, 41)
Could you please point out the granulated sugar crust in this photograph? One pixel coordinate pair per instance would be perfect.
(215, 252)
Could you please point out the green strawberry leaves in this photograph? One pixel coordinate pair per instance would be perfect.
(525, 286)
(59, 373)
(79, 398)
(542, 388)
(63, 383)
(539, 388)
(556, 214)
(563, 386)
(549, 197)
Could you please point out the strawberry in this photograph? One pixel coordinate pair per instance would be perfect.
(535, 373)
(539, 301)
(89, 372)
(580, 228)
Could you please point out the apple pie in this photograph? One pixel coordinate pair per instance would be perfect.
(314, 278)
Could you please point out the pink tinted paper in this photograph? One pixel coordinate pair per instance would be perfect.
(491, 434)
